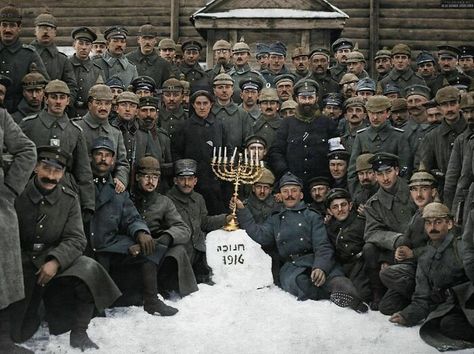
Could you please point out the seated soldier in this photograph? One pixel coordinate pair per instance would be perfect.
(399, 278)
(443, 294)
(192, 208)
(175, 273)
(119, 238)
(309, 270)
(367, 185)
(54, 270)
(318, 189)
(345, 230)
(338, 160)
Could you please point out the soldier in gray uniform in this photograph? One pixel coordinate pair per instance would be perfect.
(114, 62)
(87, 72)
(319, 71)
(340, 48)
(17, 59)
(56, 62)
(466, 60)
(285, 84)
(33, 95)
(269, 120)
(426, 65)
(276, 63)
(356, 64)
(172, 113)
(222, 56)
(249, 91)
(193, 73)
(167, 48)
(380, 136)
(383, 63)
(146, 58)
(367, 185)
(96, 123)
(443, 290)
(447, 61)
(52, 126)
(300, 60)
(355, 118)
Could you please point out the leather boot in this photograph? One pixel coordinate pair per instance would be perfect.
(6, 343)
(151, 303)
(378, 290)
(84, 311)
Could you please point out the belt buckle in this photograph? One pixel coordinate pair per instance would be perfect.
(37, 247)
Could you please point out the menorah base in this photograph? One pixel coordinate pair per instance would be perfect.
(232, 224)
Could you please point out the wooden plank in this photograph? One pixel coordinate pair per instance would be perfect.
(418, 34)
(269, 23)
(174, 19)
(426, 23)
(373, 33)
(445, 14)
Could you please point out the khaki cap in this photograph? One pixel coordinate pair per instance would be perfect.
(46, 19)
(354, 102)
(172, 85)
(148, 165)
(300, 52)
(383, 53)
(467, 100)
(362, 162)
(241, 47)
(377, 103)
(422, 178)
(288, 104)
(128, 96)
(167, 43)
(399, 104)
(57, 86)
(401, 49)
(267, 177)
(10, 13)
(349, 77)
(436, 210)
(221, 44)
(100, 92)
(223, 79)
(147, 30)
(179, 51)
(34, 80)
(446, 94)
(100, 39)
(355, 57)
(268, 94)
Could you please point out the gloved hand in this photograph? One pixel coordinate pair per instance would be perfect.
(146, 242)
(165, 240)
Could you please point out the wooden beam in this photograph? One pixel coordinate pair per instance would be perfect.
(174, 20)
(211, 38)
(373, 34)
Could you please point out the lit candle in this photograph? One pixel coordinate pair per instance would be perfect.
(261, 164)
(220, 155)
(234, 154)
(251, 158)
(225, 154)
(214, 155)
(246, 159)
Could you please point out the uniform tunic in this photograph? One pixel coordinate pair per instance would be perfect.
(151, 65)
(119, 67)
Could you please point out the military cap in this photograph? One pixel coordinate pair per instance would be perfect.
(318, 181)
(186, 85)
(390, 88)
(321, 51)
(377, 103)
(355, 57)
(223, 79)
(448, 51)
(341, 43)
(261, 48)
(288, 104)
(399, 104)
(149, 101)
(241, 47)
(57, 86)
(128, 96)
(284, 78)
(300, 52)
(467, 100)
(339, 154)
(446, 94)
(143, 82)
(332, 99)
(422, 178)
(382, 161)
(53, 155)
(462, 82)
(466, 51)
(348, 78)
(277, 48)
(436, 210)
(383, 53)
(199, 93)
(336, 193)
(5, 81)
(115, 82)
(46, 19)
(417, 89)
(100, 39)
(115, 32)
(362, 162)
(185, 167)
(167, 43)
(103, 142)
(84, 33)
(33, 80)
(172, 85)
(147, 30)
(354, 102)
(429, 104)
(424, 57)
(365, 84)
(255, 139)
(267, 177)
(179, 50)
(268, 94)
(306, 86)
(251, 82)
(100, 92)
(401, 49)
(289, 179)
(221, 44)
(10, 13)
(148, 165)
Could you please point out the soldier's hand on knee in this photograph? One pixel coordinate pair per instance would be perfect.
(47, 272)
(119, 186)
(398, 318)
(134, 250)
(147, 243)
(318, 277)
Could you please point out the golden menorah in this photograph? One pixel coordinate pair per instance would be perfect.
(239, 169)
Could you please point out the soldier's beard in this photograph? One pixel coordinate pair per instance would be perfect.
(307, 108)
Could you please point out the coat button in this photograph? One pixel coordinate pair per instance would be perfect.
(92, 234)
(301, 239)
(299, 224)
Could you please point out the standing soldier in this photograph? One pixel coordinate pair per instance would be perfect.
(448, 61)
(18, 160)
(17, 59)
(87, 72)
(269, 121)
(340, 48)
(356, 64)
(466, 60)
(383, 63)
(146, 58)
(33, 95)
(426, 65)
(355, 118)
(319, 64)
(99, 46)
(222, 57)
(300, 59)
(249, 91)
(172, 113)
(167, 48)
(276, 63)
(114, 62)
(190, 66)
(261, 54)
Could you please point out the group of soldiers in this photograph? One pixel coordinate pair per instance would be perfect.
(365, 196)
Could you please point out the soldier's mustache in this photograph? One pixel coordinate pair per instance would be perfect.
(290, 198)
(434, 232)
(47, 180)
